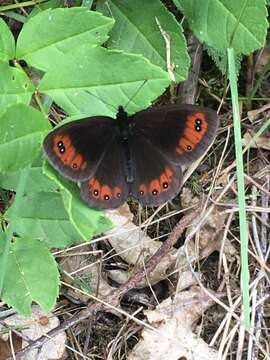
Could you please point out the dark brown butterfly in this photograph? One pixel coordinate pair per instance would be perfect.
(139, 155)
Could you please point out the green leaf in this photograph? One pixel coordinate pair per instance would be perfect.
(136, 31)
(42, 216)
(36, 181)
(111, 77)
(51, 4)
(4, 57)
(54, 32)
(223, 24)
(221, 59)
(7, 42)
(2, 241)
(31, 276)
(87, 3)
(15, 86)
(88, 222)
(22, 131)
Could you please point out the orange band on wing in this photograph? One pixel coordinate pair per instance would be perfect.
(66, 152)
(194, 132)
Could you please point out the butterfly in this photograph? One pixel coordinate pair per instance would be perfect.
(139, 155)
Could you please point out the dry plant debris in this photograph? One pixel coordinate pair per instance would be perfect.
(31, 329)
(173, 338)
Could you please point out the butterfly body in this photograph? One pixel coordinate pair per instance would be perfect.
(139, 155)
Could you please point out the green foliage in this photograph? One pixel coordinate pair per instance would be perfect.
(42, 216)
(88, 222)
(95, 72)
(7, 42)
(43, 49)
(15, 86)
(22, 131)
(31, 275)
(221, 59)
(65, 54)
(133, 35)
(223, 24)
(36, 180)
(2, 241)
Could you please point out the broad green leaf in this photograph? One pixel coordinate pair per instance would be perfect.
(42, 216)
(222, 24)
(54, 32)
(15, 86)
(113, 78)
(31, 276)
(4, 57)
(22, 129)
(88, 222)
(7, 42)
(36, 181)
(136, 31)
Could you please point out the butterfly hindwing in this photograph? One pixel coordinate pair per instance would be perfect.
(182, 133)
(106, 188)
(156, 180)
(76, 148)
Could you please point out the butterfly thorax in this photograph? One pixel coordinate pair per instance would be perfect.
(124, 124)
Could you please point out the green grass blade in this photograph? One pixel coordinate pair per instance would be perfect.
(241, 188)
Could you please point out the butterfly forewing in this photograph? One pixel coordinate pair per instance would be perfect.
(76, 148)
(182, 133)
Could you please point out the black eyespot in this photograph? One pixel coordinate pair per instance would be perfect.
(62, 150)
(118, 195)
(141, 192)
(189, 148)
(154, 192)
(106, 197)
(95, 192)
(74, 166)
(198, 122)
(60, 144)
(165, 185)
(198, 128)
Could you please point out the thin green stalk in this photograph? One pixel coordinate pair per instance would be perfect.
(22, 4)
(15, 16)
(245, 98)
(257, 135)
(261, 78)
(87, 3)
(11, 228)
(38, 101)
(241, 188)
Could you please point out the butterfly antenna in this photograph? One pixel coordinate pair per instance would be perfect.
(136, 92)
(112, 106)
(105, 102)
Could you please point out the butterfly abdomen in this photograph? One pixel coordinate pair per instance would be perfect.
(128, 163)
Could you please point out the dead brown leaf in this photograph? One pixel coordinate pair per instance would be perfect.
(175, 320)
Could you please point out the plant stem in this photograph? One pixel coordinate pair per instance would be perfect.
(240, 188)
